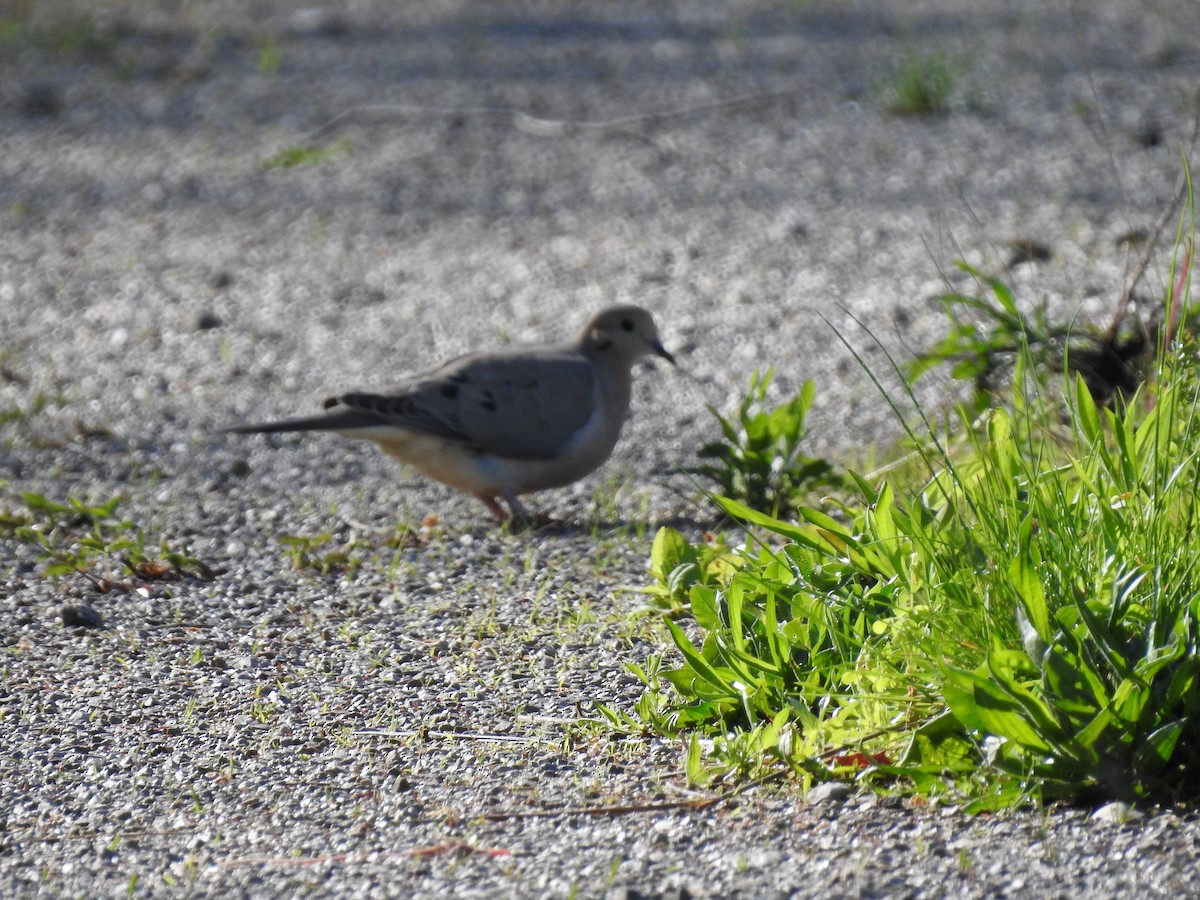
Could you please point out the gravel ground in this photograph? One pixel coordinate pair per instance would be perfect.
(412, 728)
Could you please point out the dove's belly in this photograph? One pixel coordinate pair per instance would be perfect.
(480, 473)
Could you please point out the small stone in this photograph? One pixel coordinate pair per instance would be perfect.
(830, 791)
(1116, 813)
(1134, 237)
(82, 615)
(41, 99)
(154, 194)
(1148, 134)
(321, 22)
(1027, 250)
(208, 320)
(625, 893)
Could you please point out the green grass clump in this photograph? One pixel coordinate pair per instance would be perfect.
(989, 334)
(1020, 622)
(922, 85)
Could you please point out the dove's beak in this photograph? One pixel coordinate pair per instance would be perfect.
(660, 350)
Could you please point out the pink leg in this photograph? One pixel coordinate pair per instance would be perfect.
(501, 514)
(519, 516)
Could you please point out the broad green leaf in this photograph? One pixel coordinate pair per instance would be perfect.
(734, 596)
(1183, 684)
(741, 511)
(958, 690)
(670, 549)
(1023, 572)
(1002, 448)
(1089, 737)
(776, 643)
(1066, 686)
(967, 369)
(999, 713)
(869, 491)
(1005, 298)
(1086, 414)
(808, 393)
(1156, 750)
(1100, 638)
(694, 659)
(1126, 455)
(704, 601)
(940, 742)
(747, 666)
(744, 670)
(690, 685)
(827, 524)
(692, 768)
(1003, 665)
(1129, 699)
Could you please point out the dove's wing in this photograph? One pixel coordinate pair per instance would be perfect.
(517, 405)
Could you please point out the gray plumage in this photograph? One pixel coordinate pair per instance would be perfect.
(503, 423)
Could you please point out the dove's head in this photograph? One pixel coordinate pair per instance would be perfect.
(623, 332)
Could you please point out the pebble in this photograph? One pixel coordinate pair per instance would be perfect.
(81, 615)
(829, 792)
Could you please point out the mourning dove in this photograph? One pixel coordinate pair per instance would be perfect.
(503, 423)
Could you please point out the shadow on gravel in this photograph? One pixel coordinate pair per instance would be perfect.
(362, 60)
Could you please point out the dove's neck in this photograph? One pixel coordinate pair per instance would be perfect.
(614, 385)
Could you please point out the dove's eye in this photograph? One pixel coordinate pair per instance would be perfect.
(627, 324)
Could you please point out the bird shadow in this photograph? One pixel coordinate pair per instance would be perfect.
(543, 524)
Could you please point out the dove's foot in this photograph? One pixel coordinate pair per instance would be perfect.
(519, 518)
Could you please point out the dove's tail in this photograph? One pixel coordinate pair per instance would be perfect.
(347, 421)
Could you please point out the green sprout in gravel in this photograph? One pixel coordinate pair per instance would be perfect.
(29, 403)
(292, 157)
(90, 540)
(1019, 622)
(324, 553)
(270, 57)
(759, 461)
